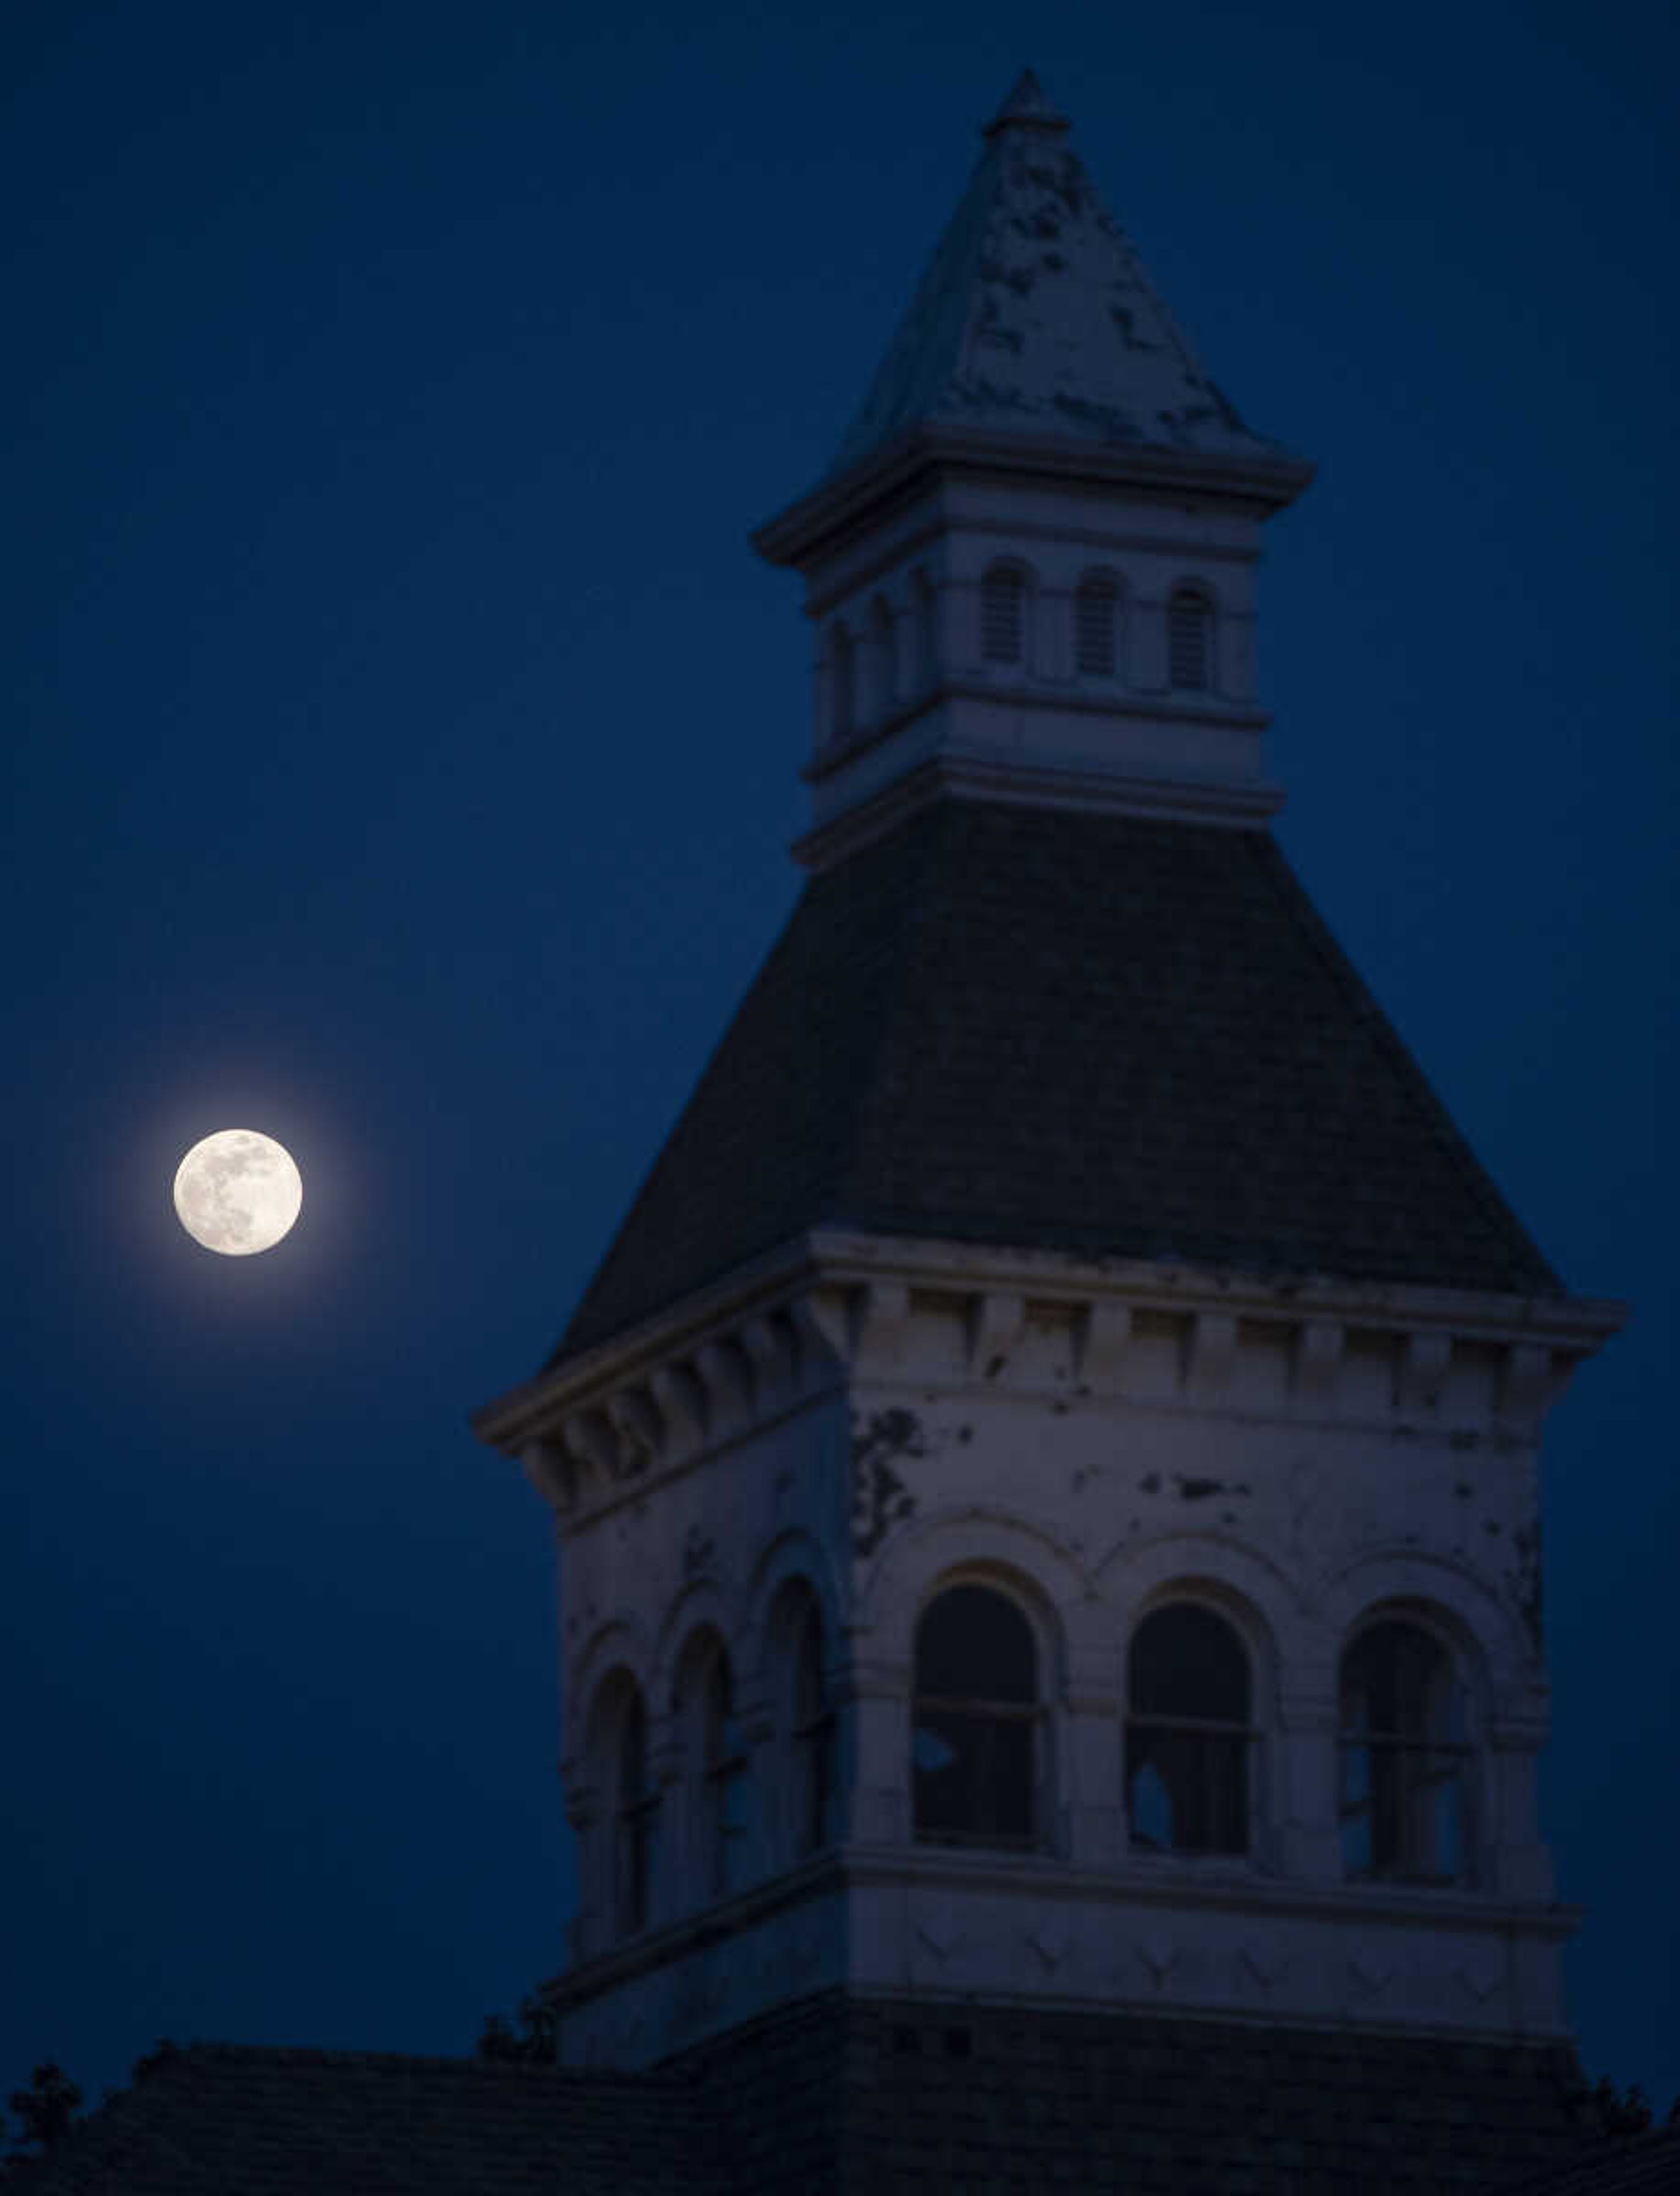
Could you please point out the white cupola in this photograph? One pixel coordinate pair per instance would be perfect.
(1030, 569)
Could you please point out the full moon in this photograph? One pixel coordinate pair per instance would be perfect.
(237, 1192)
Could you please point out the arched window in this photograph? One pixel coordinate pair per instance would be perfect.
(975, 1744)
(1096, 619)
(924, 614)
(1189, 641)
(1405, 1757)
(882, 671)
(635, 1822)
(723, 1780)
(1188, 1734)
(1003, 615)
(816, 1783)
(843, 684)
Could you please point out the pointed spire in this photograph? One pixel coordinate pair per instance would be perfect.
(1028, 106)
(1036, 317)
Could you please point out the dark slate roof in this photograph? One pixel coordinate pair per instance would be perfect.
(839, 2097)
(1640, 2165)
(1099, 1034)
(962, 2099)
(227, 2120)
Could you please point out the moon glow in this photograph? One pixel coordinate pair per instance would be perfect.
(237, 1192)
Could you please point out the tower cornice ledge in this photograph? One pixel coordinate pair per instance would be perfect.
(846, 499)
(1040, 785)
(840, 1303)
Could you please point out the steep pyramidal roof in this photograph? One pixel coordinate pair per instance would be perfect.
(1035, 316)
(1067, 1030)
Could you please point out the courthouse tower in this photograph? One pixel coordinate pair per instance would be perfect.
(1046, 1472)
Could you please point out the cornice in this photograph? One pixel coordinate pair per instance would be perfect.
(808, 526)
(836, 1305)
(1013, 783)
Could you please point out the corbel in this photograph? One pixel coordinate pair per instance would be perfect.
(681, 1404)
(1317, 1358)
(768, 1348)
(995, 1321)
(725, 1378)
(821, 1327)
(1104, 1333)
(1212, 1352)
(589, 1435)
(1525, 1386)
(827, 1319)
(884, 1327)
(636, 1422)
(1421, 1373)
(547, 1467)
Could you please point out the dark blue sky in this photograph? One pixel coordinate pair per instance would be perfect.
(402, 749)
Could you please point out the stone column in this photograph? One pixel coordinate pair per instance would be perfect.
(1302, 1780)
(1146, 637)
(1519, 1864)
(877, 1714)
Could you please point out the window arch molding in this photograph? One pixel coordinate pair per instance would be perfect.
(1240, 1585)
(1496, 1658)
(621, 1856)
(1008, 595)
(619, 1643)
(1195, 617)
(840, 683)
(1227, 1771)
(923, 603)
(806, 1806)
(881, 677)
(1447, 1763)
(705, 1704)
(1004, 1735)
(1058, 1589)
(1098, 603)
(794, 1557)
(702, 1605)
(794, 1569)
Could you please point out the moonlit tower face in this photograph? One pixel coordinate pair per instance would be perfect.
(237, 1192)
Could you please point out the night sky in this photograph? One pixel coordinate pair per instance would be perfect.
(402, 749)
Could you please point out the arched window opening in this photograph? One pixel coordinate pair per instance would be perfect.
(724, 1781)
(1096, 607)
(924, 613)
(1188, 1734)
(975, 1744)
(1003, 618)
(843, 684)
(1405, 1756)
(1189, 641)
(816, 1781)
(882, 671)
(635, 1823)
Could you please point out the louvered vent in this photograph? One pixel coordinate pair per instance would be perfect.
(1189, 634)
(923, 598)
(1094, 608)
(1001, 598)
(845, 703)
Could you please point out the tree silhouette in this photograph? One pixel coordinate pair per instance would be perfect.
(532, 2043)
(46, 2110)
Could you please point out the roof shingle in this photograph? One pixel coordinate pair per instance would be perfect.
(1100, 1034)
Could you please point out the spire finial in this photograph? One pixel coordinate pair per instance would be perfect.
(1027, 107)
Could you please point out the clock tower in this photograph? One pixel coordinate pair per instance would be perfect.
(1046, 1472)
